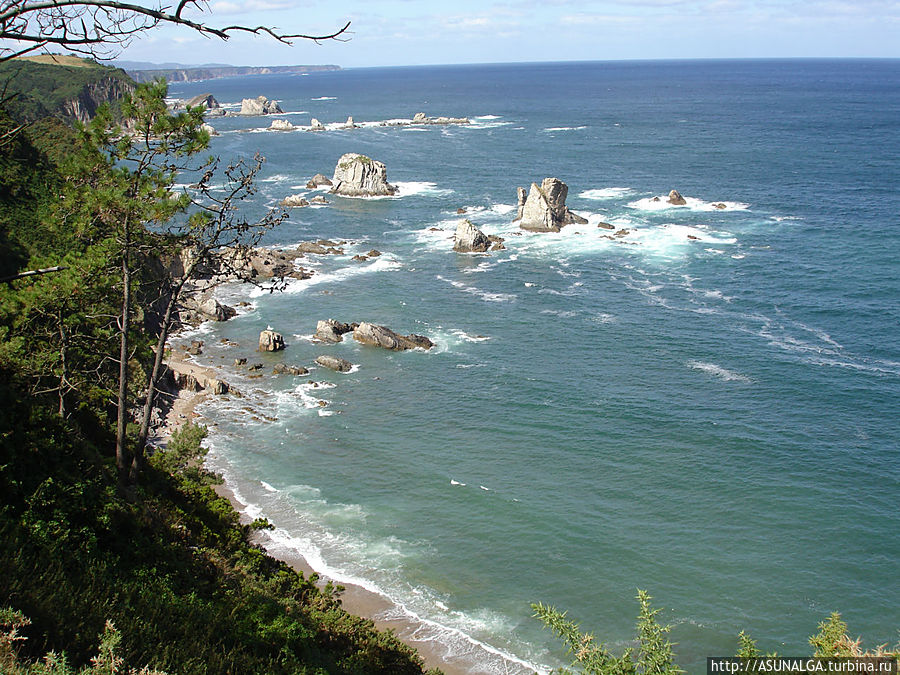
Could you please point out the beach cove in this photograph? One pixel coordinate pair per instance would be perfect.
(696, 408)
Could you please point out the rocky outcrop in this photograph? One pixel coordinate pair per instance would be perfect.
(331, 330)
(469, 239)
(318, 181)
(676, 199)
(188, 74)
(260, 106)
(545, 210)
(316, 125)
(294, 200)
(208, 101)
(270, 341)
(209, 128)
(359, 176)
(285, 369)
(335, 363)
(349, 124)
(281, 125)
(379, 336)
(195, 378)
(199, 307)
(421, 118)
(108, 89)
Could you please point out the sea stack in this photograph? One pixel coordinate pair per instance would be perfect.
(380, 336)
(359, 176)
(260, 106)
(469, 239)
(270, 341)
(544, 209)
(676, 199)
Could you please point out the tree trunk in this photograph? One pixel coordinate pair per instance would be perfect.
(124, 327)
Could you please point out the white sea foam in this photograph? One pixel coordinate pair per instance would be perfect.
(552, 129)
(456, 482)
(410, 188)
(487, 117)
(601, 194)
(383, 263)
(324, 98)
(692, 204)
(487, 296)
(718, 371)
(267, 486)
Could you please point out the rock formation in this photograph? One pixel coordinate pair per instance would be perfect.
(260, 106)
(285, 369)
(294, 200)
(335, 363)
(676, 199)
(469, 239)
(318, 181)
(379, 336)
(208, 101)
(281, 125)
(209, 128)
(545, 210)
(331, 330)
(316, 125)
(199, 307)
(360, 176)
(270, 341)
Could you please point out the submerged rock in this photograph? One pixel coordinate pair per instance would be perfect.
(335, 363)
(359, 176)
(380, 336)
(270, 341)
(469, 239)
(545, 210)
(285, 369)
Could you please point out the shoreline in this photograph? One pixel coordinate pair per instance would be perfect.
(355, 599)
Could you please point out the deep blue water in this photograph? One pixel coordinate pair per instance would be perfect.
(712, 419)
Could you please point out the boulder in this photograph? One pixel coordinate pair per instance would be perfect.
(199, 307)
(318, 199)
(420, 118)
(312, 247)
(285, 369)
(545, 210)
(349, 124)
(676, 199)
(240, 362)
(316, 125)
(260, 106)
(270, 341)
(469, 239)
(330, 330)
(359, 176)
(209, 128)
(460, 211)
(294, 200)
(720, 205)
(380, 336)
(318, 181)
(335, 363)
(374, 253)
(281, 125)
(605, 226)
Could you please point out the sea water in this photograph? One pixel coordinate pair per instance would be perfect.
(706, 406)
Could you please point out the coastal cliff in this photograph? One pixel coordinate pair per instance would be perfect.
(191, 74)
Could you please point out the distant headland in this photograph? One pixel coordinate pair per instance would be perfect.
(145, 72)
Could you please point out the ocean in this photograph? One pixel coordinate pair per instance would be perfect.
(706, 407)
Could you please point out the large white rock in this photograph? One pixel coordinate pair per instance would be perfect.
(359, 176)
(281, 125)
(260, 106)
(270, 341)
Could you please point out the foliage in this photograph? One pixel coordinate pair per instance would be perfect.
(654, 654)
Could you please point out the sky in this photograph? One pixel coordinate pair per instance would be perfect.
(420, 32)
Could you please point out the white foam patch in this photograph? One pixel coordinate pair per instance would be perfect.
(718, 371)
(692, 204)
(324, 98)
(384, 263)
(487, 296)
(552, 129)
(602, 194)
(410, 188)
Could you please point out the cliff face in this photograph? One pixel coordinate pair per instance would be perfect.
(84, 106)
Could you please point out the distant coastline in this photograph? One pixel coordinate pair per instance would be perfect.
(196, 74)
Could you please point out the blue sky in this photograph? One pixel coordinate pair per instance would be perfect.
(413, 32)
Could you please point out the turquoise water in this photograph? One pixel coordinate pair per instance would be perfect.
(714, 420)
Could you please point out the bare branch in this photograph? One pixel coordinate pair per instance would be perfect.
(31, 273)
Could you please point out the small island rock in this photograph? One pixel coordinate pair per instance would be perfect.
(281, 125)
(318, 181)
(270, 341)
(294, 200)
(359, 176)
(331, 330)
(260, 106)
(335, 363)
(380, 336)
(545, 210)
(676, 199)
(469, 239)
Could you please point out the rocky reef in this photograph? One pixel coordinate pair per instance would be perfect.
(359, 176)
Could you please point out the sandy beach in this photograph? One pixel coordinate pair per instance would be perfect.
(355, 599)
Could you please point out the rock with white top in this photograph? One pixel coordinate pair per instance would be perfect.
(270, 341)
(260, 106)
(281, 125)
(676, 199)
(316, 125)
